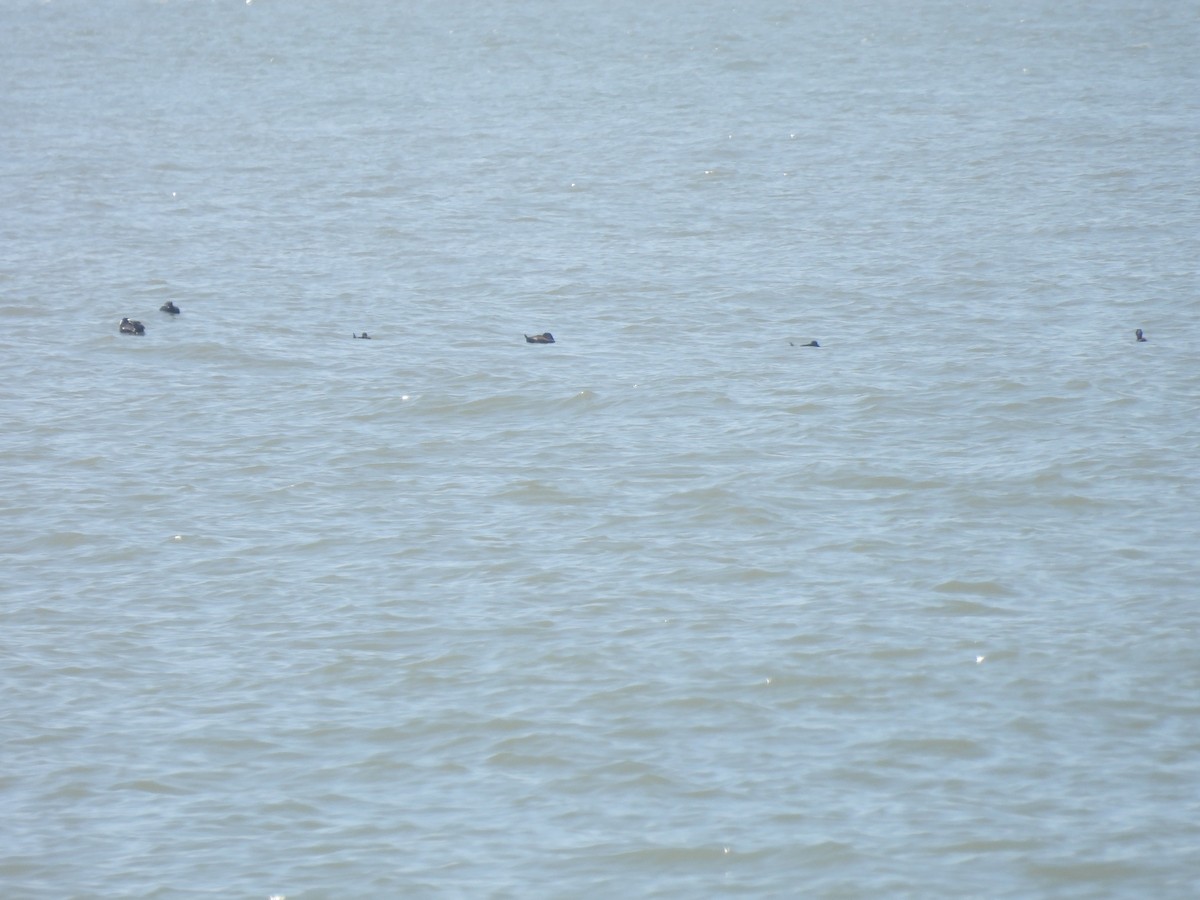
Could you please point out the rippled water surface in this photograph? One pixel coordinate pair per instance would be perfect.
(676, 606)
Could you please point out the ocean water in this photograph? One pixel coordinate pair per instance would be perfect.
(676, 606)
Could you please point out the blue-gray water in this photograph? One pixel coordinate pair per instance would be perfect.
(675, 607)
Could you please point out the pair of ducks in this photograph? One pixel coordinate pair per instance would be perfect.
(133, 326)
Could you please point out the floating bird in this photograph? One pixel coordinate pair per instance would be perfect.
(1141, 338)
(169, 307)
(809, 344)
(132, 326)
(544, 338)
(363, 337)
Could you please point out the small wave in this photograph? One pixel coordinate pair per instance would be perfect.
(898, 749)
(983, 588)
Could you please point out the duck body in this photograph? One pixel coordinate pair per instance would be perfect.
(1141, 338)
(132, 326)
(544, 338)
(170, 307)
(363, 337)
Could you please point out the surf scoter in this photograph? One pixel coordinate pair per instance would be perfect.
(1141, 338)
(169, 307)
(544, 338)
(132, 326)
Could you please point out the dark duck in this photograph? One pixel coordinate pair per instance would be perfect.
(132, 326)
(544, 338)
(363, 337)
(1141, 338)
(169, 307)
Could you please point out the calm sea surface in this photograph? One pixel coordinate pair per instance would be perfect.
(677, 606)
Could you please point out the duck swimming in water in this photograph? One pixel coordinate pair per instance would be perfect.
(544, 338)
(363, 337)
(1141, 338)
(169, 307)
(132, 326)
(809, 344)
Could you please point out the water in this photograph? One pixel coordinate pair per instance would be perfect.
(675, 606)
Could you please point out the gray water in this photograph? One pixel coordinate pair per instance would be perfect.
(676, 606)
